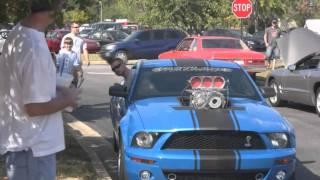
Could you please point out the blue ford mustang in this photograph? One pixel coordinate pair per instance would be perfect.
(198, 119)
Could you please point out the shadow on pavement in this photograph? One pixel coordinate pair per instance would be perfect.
(92, 112)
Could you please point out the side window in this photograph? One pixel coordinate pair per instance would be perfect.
(144, 36)
(106, 35)
(185, 45)
(172, 34)
(158, 35)
(311, 63)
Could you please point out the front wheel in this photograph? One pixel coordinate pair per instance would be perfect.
(121, 164)
(122, 55)
(275, 100)
(318, 101)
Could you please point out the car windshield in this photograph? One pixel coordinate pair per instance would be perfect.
(171, 81)
(222, 43)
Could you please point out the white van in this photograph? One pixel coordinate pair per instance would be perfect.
(313, 25)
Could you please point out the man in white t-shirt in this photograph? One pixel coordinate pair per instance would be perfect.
(79, 46)
(31, 127)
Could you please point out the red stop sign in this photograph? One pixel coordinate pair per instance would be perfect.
(242, 8)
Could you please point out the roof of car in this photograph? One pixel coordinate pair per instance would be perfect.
(212, 37)
(188, 63)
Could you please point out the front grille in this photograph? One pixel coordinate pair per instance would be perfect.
(211, 140)
(252, 175)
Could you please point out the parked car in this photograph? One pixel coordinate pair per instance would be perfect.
(3, 37)
(106, 26)
(85, 32)
(108, 36)
(221, 48)
(146, 44)
(196, 119)
(299, 80)
(54, 38)
(252, 42)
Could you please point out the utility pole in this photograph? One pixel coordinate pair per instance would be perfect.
(256, 16)
(100, 11)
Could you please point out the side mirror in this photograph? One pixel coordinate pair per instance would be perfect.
(292, 67)
(118, 91)
(267, 92)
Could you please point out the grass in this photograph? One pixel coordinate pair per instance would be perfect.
(72, 163)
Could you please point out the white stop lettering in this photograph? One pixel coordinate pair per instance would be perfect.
(241, 7)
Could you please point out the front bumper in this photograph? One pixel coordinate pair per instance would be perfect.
(184, 162)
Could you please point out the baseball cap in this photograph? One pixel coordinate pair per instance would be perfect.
(45, 5)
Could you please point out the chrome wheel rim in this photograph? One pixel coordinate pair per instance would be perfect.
(274, 99)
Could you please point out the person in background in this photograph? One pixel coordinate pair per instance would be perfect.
(68, 61)
(270, 36)
(79, 46)
(31, 126)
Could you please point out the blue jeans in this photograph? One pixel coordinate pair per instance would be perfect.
(23, 166)
(272, 52)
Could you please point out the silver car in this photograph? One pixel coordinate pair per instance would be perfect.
(299, 81)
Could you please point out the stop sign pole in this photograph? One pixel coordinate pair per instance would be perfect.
(242, 9)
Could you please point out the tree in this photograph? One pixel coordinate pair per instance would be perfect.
(76, 15)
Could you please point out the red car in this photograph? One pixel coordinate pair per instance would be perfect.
(220, 48)
(54, 38)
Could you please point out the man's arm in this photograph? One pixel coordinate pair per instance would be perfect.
(85, 53)
(265, 38)
(86, 56)
(65, 97)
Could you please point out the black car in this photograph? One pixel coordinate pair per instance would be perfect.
(146, 44)
(253, 42)
(107, 36)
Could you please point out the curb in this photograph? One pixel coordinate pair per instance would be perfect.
(101, 62)
(79, 131)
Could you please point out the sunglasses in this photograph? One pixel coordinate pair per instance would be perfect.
(75, 27)
(116, 67)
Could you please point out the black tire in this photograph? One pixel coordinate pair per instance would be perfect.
(121, 165)
(122, 55)
(318, 101)
(115, 144)
(275, 101)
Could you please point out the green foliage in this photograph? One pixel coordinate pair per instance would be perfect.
(75, 15)
(189, 15)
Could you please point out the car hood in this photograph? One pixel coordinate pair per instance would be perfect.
(167, 115)
(297, 45)
(225, 53)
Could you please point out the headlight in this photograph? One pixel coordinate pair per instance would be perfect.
(279, 140)
(110, 47)
(144, 139)
(251, 42)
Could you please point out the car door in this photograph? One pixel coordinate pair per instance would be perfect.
(296, 83)
(142, 46)
(159, 43)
